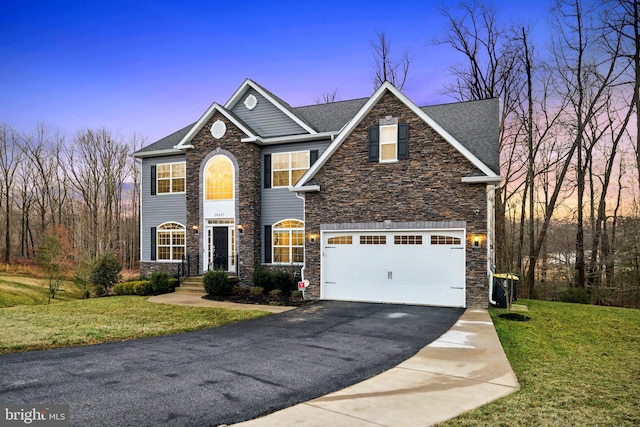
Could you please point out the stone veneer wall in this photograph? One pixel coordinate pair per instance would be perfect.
(426, 187)
(246, 158)
(148, 268)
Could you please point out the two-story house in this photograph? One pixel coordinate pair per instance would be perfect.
(373, 199)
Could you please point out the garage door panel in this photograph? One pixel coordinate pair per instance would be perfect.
(411, 267)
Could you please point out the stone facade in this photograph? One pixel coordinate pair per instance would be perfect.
(426, 187)
(246, 159)
(148, 268)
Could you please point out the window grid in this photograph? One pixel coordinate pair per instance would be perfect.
(288, 168)
(219, 179)
(340, 240)
(170, 242)
(389, 143)
(288, 242)
(407, 240)
(444, 240)
(373, 240)
(170, 178)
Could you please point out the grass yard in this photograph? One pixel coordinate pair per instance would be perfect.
(18, 289)
(578, 365)
(100, 320)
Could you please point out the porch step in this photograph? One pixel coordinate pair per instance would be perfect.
(194, 284)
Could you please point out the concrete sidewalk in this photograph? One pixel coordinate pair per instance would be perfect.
(463, 369)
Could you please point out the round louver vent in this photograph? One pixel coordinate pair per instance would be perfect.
(251, 102)
(218, 129)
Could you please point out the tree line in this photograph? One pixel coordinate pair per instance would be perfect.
(82, 193)
(567, 213)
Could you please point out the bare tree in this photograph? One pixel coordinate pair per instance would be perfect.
(10, 157)
(327, 97)
(386, 68)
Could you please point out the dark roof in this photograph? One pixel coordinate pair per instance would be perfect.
(475, 124)
(332, 116)
(168, 142)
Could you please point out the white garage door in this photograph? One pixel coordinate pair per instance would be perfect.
(407, 267)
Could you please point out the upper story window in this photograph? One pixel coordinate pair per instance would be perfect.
(219, 179)
(171, 241)
(288, 168)
(389, 143)
(170, 177)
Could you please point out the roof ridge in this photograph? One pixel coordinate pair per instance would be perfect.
(332, 102)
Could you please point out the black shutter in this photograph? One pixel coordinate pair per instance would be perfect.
(374, 144)
(403, 141)
(313, 157)
(267, 171)
(153, 180)
(153, 243)
(267, 244)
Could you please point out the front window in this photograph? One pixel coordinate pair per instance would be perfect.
(170, 178)
(219, 179)
(170, 242)
(288, 242)
(288, 168)
(389, 143)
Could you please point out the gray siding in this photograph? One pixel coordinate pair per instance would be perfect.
(266, 119)
(158, 209)
(280, 203)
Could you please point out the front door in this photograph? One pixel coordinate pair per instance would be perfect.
(218, 246)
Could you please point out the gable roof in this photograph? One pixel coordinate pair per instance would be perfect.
(165, 145)
(332, 116)
(364, 110)
(279, 103)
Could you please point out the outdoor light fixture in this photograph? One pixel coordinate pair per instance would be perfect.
(312, 238)
(196, 229)
(241, 229)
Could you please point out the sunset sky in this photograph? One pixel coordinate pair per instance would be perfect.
(152, 67)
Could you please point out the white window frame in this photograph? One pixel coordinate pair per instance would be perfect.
(290, 230)
(289, 168)
(393, 142)
(158, 179)
(171, 246)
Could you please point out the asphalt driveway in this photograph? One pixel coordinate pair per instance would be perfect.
(228, 374)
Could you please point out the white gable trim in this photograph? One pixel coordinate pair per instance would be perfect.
(248, 83)
(353, 123)
(184, 142)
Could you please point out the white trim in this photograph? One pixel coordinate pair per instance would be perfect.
(482, 179)
(305, 189)
(248, 83)
(355, 121)
(171, 192)
(184, 230)
(183, 144)
(156, 153)
(290, 138)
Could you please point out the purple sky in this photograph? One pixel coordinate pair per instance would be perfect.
(152, 67)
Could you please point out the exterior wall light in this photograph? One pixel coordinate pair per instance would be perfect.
(312, 238)
(241, 229)
(196, 229)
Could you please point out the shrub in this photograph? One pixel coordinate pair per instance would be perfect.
(216, 283)
(256, 291)
(174, 282)
(278, 278)
(239, 290)
(119, 289)
(105, 273)
(276, 293)
(575, 295)
(296, 295)
(263, 277)
(160, 283)
(142, 288)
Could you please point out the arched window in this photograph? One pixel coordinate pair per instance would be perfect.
(219, 179)
(170, 240)
(288, 241)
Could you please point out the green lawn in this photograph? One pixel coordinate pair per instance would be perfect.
(99, 320)
(18, 289)
(578, 365)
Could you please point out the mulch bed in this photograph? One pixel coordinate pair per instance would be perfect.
(260, 300)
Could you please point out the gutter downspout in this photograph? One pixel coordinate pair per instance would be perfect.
(490, 237)
(304, 220)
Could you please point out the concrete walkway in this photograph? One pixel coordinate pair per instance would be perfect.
(195, 300)
(463, 369)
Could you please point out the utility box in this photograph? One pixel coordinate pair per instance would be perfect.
(502, 282)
